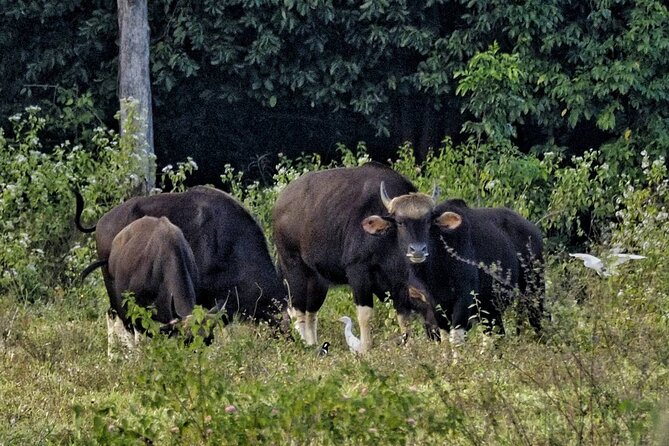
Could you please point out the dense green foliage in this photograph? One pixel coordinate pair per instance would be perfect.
(36, 200)
(303, 75)
(598, 375)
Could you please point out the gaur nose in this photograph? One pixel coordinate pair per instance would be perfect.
(417, 252)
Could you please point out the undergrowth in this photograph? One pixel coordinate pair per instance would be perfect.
(598, 375)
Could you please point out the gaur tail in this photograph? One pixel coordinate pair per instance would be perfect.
(92, 267)
(80, 208)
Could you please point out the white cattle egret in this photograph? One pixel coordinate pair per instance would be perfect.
(605, 270)
(592, 262)
(352, 341)
(621, 258)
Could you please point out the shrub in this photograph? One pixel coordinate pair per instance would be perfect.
(39, 246)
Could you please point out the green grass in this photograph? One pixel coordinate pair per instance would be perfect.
(599, 376)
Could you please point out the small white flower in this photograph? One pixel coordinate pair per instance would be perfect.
(363, 159)
(168, 168)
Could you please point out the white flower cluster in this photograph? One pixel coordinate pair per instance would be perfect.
(364, 159)
(192, 163)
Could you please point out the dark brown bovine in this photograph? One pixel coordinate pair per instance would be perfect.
(360, 226)
(152, 259)
(235, 269)
(488, 255)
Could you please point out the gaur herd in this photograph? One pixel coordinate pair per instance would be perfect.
(366, 226)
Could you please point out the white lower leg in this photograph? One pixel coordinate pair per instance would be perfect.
(300, 321)
(127, 339)
(118, 336)
(311, 328)
(111, 339)
(364, 319)
(457, 340)
(457, 337)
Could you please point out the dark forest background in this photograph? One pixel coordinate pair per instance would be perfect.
(239, 81)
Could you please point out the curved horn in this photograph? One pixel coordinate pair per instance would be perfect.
(436, 191)
(384, 197)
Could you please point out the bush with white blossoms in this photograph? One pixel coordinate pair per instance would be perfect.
(37, 204)
(173, 180)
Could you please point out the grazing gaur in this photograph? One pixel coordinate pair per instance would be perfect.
(483, 259)
(151, 259)
(341, 226)
(236, 272)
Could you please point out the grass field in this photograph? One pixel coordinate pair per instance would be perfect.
(599, 375)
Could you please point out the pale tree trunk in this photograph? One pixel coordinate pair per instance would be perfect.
(135, 83)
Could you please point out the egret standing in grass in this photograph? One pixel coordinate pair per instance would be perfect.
(351, 340)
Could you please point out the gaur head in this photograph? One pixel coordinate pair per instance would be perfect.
(410, 215)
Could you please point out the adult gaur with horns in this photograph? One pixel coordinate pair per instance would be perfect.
(361, 226)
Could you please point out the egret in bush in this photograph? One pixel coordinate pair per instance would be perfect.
(351, 340)
(606, 270)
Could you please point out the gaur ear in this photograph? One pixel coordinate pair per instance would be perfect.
(448, 221)
(376, 225)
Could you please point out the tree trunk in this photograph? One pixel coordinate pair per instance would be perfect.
(135, 84)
